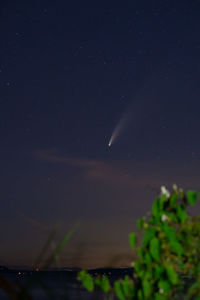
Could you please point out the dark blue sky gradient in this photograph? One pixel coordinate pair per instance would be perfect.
(68, 72)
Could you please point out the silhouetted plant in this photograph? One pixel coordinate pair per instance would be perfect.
(16, 291)
(168, 257)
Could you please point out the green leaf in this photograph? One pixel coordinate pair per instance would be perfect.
(158, 296)
(118, 290)
(154, 249)
(162, 201)
(181, 193)
(151, 220)
(141, 273)
(165, 285)
(140, 223)
(140, 252)
(181, 265)
(148, 236)
(98, 281)
(125, 286)
(87, 280)
(192, 196)
(171, 273)
(132, 240)
(148, 258)
(173, 217)
(147, 288)
(137, 266)
(181, 213)
(128, 287)
(173, 200)
(148, 274)
(155, 207)
(176, 247)
(159, 270)
(103, 283)
(139, 295)
(169, 231)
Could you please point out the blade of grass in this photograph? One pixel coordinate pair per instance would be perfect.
(23, 292)
(58, 249)
(45, 248)
(8, 288)
(36, 277)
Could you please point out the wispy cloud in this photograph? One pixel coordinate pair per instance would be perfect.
(126, 173)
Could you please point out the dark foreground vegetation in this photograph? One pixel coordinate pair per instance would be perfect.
(53, 284)
(167, 264)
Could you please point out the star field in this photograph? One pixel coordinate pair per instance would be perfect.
(68, 74)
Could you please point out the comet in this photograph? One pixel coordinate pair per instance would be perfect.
(136, 112)
(146, 105)
(123, 122)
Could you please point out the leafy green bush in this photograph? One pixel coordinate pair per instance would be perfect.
(168, 257)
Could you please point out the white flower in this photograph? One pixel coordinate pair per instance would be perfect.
(161, 291)
(132, 264)
(175, 188)
(164, 191)
(164, 218)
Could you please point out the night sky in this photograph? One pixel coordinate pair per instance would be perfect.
(70, 73)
